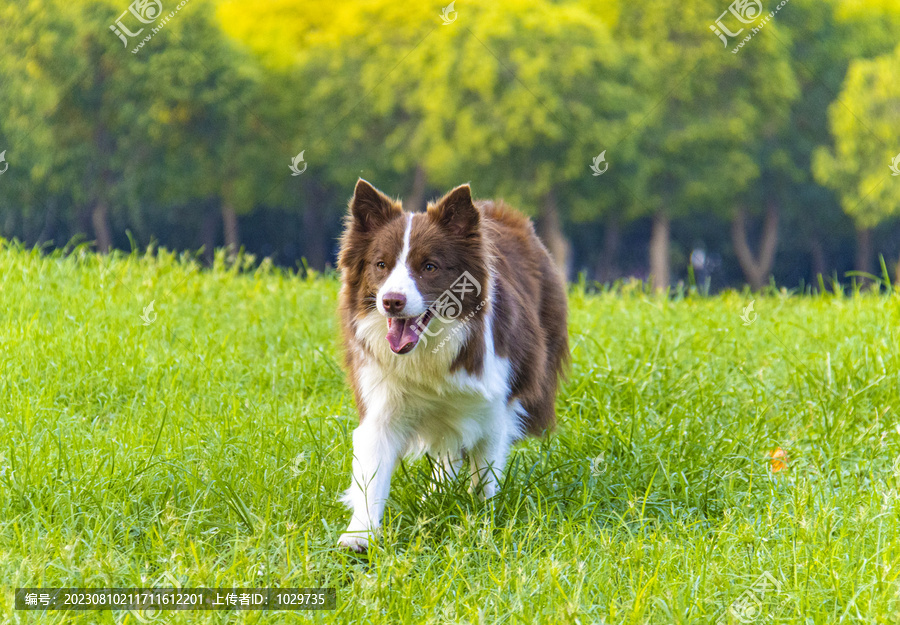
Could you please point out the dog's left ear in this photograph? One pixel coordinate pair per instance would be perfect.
(456, 212)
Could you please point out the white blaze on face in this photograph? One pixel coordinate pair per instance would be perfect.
(401, 281)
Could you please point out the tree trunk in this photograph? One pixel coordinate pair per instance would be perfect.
(416, 199)
(83, 221)
(659, 253)
(100, 221)
(232, 236)
(208, 234)
(756, 269)
(314, 241)
(606, 266)
(819, 266)
(47, 232)
(9, 221)
(102, 182)
(864, 252)
(550, 231)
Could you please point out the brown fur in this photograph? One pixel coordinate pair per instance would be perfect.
(529, 300)
(530, 318)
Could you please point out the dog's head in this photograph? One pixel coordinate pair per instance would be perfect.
(409, 267)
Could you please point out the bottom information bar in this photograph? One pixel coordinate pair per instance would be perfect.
(176, 598)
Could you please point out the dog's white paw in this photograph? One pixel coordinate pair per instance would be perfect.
(354, 541)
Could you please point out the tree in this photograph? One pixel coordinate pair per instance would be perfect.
(696, 149)
(175, 122)
(316, 55)
(514, 97)
(529, 93)
(221, 131)
(864, 123)
(818, 52)
(71, 139)
(824, 37)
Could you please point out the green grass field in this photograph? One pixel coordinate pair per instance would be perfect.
(210, 446)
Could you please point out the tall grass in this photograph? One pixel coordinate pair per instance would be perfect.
(209, 446)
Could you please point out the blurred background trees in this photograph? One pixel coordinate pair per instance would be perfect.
(641, 144)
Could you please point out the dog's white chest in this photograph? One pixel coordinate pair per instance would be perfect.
(444, 415)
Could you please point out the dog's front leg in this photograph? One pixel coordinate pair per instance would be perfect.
(488, 460)
(488, 457)
(376, 450)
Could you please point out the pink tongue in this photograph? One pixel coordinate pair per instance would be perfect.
(402, 335)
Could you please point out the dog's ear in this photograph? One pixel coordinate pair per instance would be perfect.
(456, 212)
(370, 208)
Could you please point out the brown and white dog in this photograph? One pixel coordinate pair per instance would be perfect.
(454, 324)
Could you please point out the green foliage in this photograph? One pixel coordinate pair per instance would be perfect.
(482, 106)
(696, 150)
(514, 97)
(175, 122)
(212, 122)
(65, 94)
(865, 121)
(472, 100)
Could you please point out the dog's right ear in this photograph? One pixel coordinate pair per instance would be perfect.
(370, 208)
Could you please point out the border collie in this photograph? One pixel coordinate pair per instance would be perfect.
(454, 326)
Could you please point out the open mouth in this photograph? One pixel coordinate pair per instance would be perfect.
(403, 334)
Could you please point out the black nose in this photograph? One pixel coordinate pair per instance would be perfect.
(394, 302)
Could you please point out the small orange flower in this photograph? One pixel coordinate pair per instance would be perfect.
(779, 460)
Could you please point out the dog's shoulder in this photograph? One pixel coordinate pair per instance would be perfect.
(503, 217)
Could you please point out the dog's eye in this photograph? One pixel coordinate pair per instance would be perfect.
(430, 267)
(380, 264)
